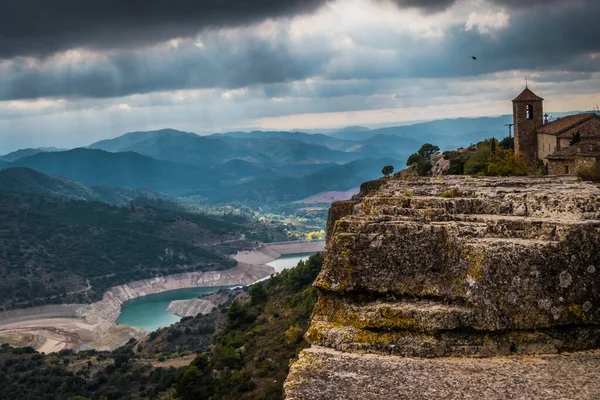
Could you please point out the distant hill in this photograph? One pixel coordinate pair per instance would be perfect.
(263, 149)
(15, 155)
(336, 178)
(315, 139)
(29, 181)
(446, 133)
(129, 170)
(67, 251)
(126, 141)
(452, 133)
(239, 169)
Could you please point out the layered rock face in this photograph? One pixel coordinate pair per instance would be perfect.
(462, 266)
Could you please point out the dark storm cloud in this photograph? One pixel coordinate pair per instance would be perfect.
(41, 27)
(561, 38)
(428, 5)
(218, 63)
(533, 3)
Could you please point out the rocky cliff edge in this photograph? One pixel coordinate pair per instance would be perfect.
(456, 268)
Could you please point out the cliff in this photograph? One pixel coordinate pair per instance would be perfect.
(449, 268)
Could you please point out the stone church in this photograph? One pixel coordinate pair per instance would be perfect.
(564, 145)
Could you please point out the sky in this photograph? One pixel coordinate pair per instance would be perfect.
(73, 72)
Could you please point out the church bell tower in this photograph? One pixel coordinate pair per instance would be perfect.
(528, 117)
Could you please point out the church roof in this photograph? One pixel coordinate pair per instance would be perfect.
(584, 148)
(564, 124)
(527, 95)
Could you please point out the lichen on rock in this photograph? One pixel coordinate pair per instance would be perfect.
(508, 260)
(455, 269)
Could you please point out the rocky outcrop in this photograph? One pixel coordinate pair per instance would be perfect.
(460, 266)
(327, 374)
(440, 165)
(190, 308)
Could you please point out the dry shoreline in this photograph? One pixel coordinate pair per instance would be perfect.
(54, 327)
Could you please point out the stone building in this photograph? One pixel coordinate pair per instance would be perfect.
(564, 145)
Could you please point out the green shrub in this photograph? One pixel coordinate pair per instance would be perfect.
(450, 193)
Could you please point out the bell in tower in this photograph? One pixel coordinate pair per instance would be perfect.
(528, 117)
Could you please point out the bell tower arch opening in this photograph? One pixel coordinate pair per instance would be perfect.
(528, 117)
(529, 111)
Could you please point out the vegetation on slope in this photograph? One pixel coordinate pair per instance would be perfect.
(256, 338)
(30, 181)
(130, 170)
(339, 177)
(251, 355)
(51, 248)
(489, 157)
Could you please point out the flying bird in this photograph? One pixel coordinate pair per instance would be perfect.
(474, 58)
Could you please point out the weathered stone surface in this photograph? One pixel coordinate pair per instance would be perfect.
(430, 267)
(325, 374)
(475, 275)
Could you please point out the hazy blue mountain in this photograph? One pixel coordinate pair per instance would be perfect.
(264, 149)
(400, 144)
(128, 140)
(15, 155)
(186, 149)
(339, 177)
(446, 133)
(242, 170)
(453, 132)
(130, 170)
(316, 138)
(27, 180)
(208, 151)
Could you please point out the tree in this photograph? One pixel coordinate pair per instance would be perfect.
(387, 170)
(508, 143)
(258, 295)
(428, 150)
(506, 163)
(421, 160)
(414, 158)
(576, 138)
(479, 160)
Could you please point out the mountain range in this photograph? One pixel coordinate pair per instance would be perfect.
(255, 167)
(27, 180)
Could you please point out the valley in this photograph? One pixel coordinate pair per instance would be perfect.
(111, 322)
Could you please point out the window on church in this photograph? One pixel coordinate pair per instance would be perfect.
(529, 111)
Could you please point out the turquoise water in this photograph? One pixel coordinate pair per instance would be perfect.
(150, 312)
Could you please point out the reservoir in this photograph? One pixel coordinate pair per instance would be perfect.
(150, 312)
(288, 261)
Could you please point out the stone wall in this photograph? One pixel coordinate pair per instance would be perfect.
(547, 144)
(570, 166)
